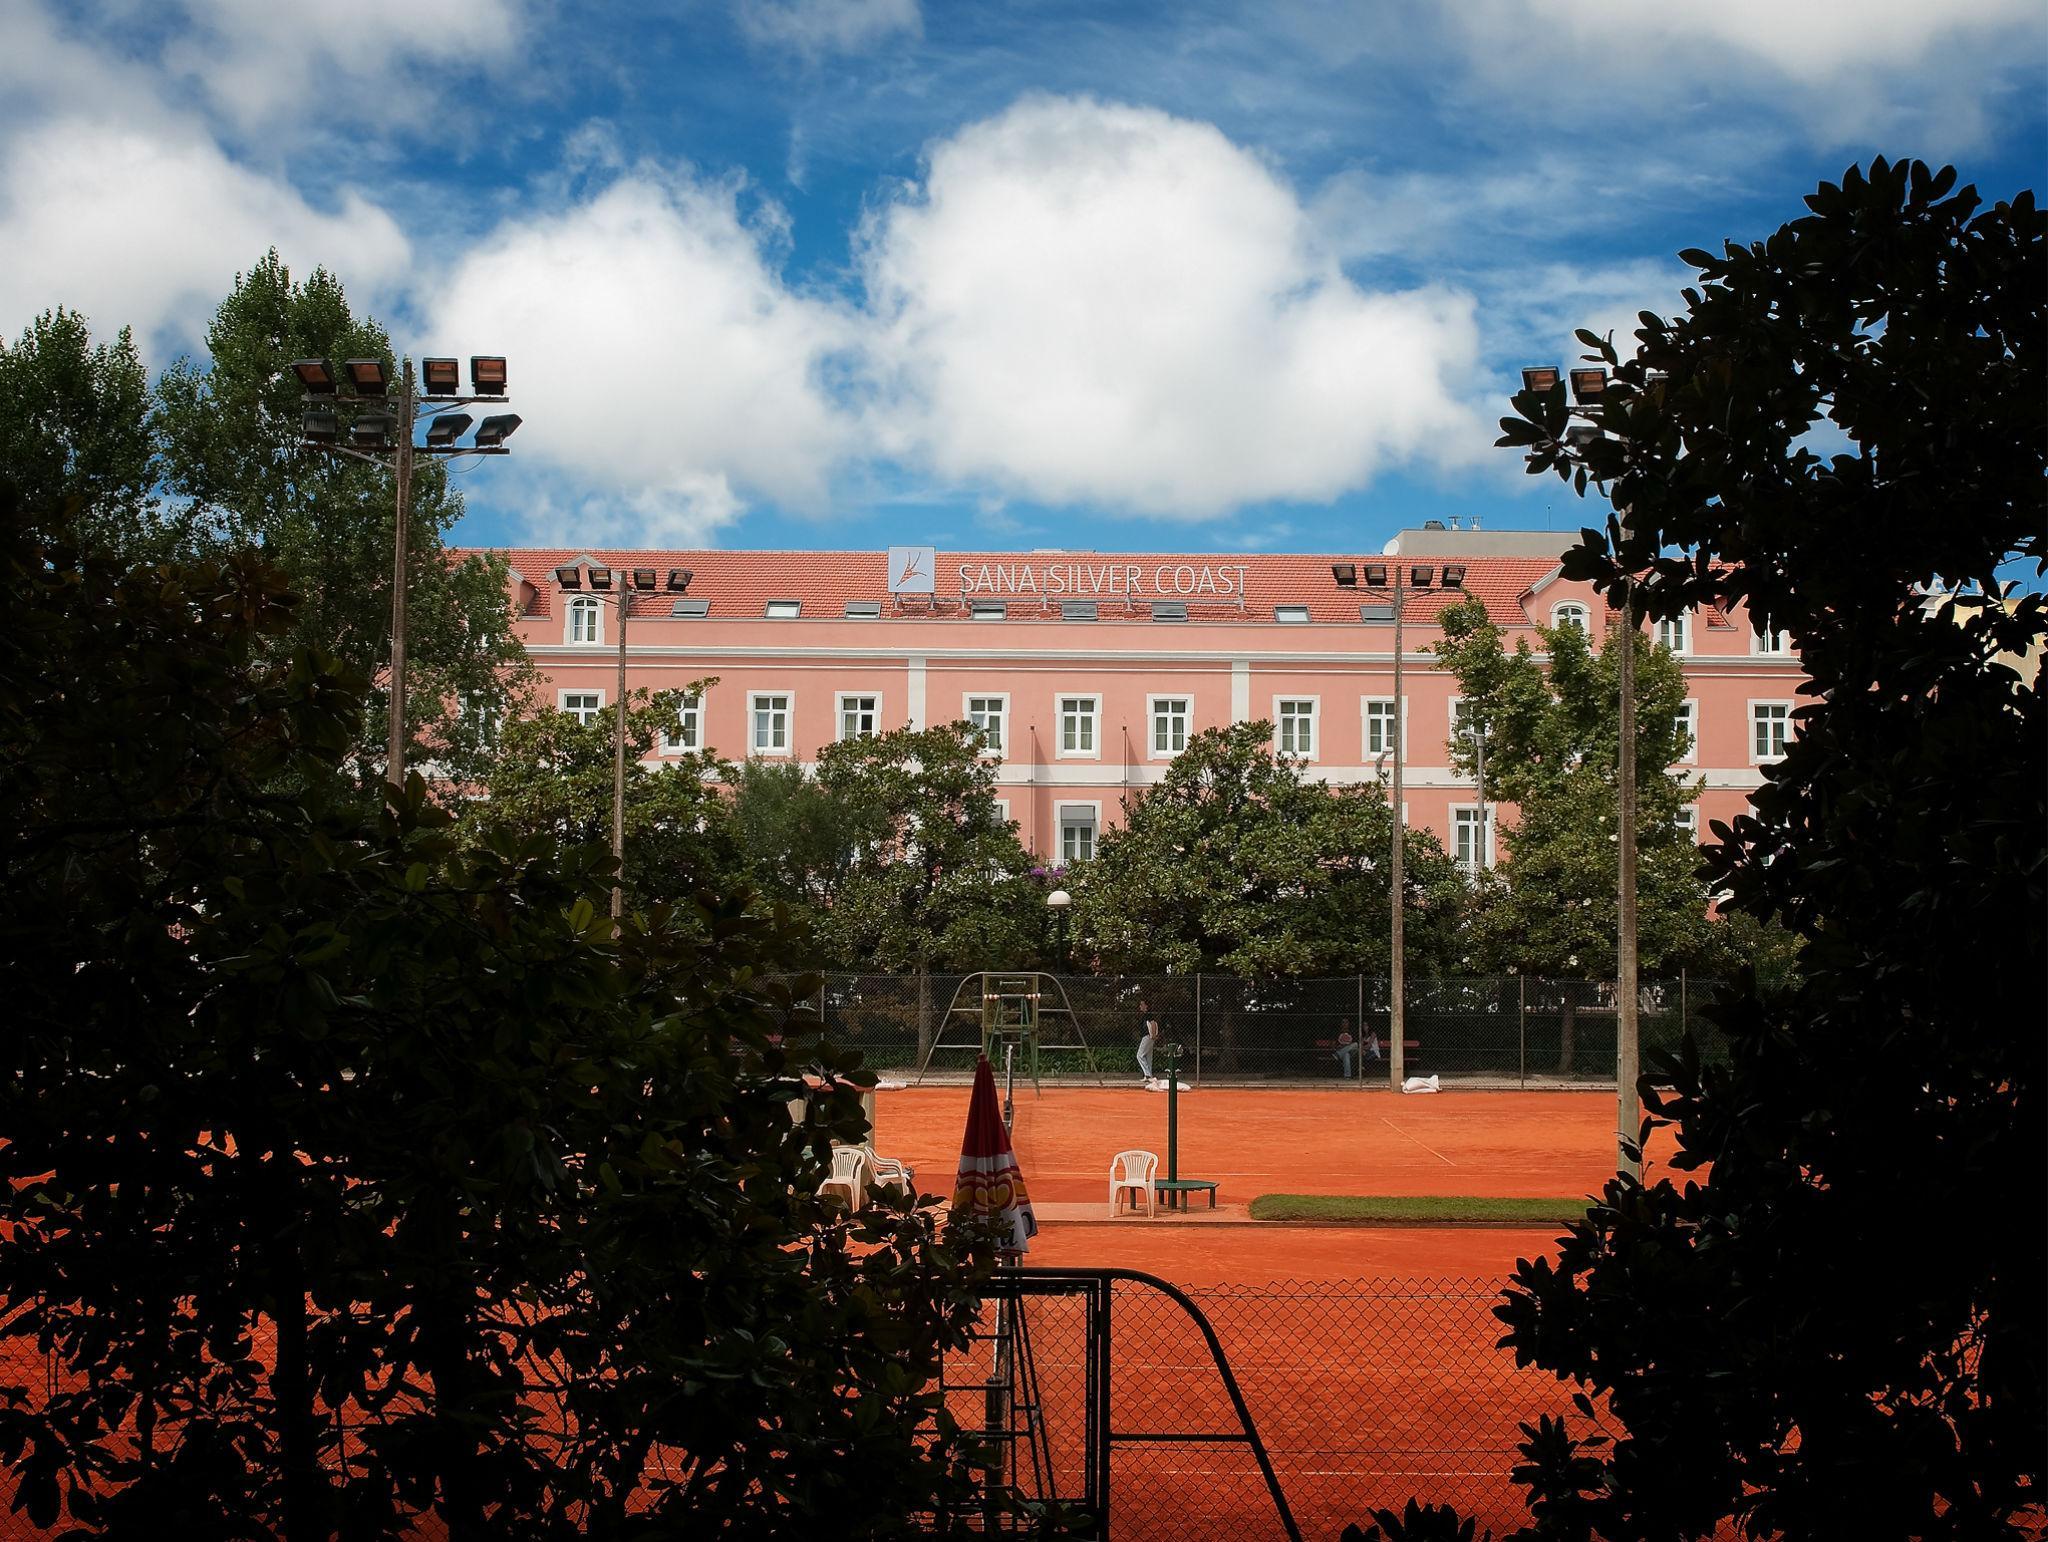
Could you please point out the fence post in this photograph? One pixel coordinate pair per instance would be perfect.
(1522, 1026)
(1198, 1028)
(1358, 1035)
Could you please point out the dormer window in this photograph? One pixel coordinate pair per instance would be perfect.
(1571, 613)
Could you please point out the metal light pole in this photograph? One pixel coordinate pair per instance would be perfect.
(1397, 1049)
(625, 607)
(1587, 386)
(370, 440)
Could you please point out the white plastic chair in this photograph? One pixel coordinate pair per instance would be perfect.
(889, 1170)
(1132, 1172)
(850, 1174)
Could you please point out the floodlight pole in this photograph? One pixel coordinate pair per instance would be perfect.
(1628, 1111)
(622, 582)
(1397, 891)
(394, 759)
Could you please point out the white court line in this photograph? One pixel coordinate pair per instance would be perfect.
(1406, 1136)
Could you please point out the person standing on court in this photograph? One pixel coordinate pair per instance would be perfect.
(1148, 1038)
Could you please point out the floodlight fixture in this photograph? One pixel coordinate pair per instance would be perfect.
(367, 377)
(322, 427)
(1376, 574)
(570, 577)
(1454, 575)
(371, 431)
(440, 377)
(487, 375)
(1419, 577)
(1540, 377)
(1588, 384)
(643, 578)
(315, 378)
(496, 429)
(679, 580)
(1346, 574)
(600, 578)
(1580, 435)
(443, 431)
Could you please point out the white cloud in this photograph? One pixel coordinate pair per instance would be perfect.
(655, 353)
(688, 511)
(1094, 302)
(1849, 69)
(814, 29)
(148, 226)
(362, 65)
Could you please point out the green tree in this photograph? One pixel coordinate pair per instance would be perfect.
(1768, 1345)
(1551, 740)
(550, 774)
(357, 1179)
(230, 433)
(800, 841)
(1236, 863)
(942, 882)
(76, 429)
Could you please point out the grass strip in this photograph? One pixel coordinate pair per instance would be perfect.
(1413, 1208)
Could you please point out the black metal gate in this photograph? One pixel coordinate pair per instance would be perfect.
(1074, 1446)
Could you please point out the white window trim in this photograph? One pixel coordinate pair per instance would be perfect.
(1691, 754)
(671, 744)
(1002, 749)
(1687, 822)
(565, 692)
(1790, 707)
(1451, 705)
(839, 710)
(1585, 615)
(574, 605)
(1059, 725)
(1152, 705)
(789, 726)
(1491, 829)
(1315, 727)
(1366, 752)
(1060, 823)
(1684, 620)
(1758, 650)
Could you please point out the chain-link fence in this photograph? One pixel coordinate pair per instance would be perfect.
(1491, 1030)
(1108, 1400)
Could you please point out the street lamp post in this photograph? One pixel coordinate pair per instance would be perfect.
(1587, 387)
(371, 433)
(1397, 879)
(1059, 901)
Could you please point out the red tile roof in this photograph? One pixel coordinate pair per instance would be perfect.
(740, 583)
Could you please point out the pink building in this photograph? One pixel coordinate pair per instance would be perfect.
(1091, 670)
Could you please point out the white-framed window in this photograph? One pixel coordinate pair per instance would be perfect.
(1381, 736)
(686, 733)
(583, 622)
(1079, 738)
(1471, 838)
(1572, 613)
(1002, 812)
(482, 716)
(1676, 634)
(584, 706)
(1078, 823)
(1770, 645)
(1687, 822)
(990, 714)
(1294, 725)
(860, 717)
(1686, 727)
(1170, 718)
(769, 712)
(1461, 723)
(1770, 730)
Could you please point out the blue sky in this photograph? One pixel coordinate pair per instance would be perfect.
(847, 273)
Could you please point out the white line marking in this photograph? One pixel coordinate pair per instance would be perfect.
(1406, 1136)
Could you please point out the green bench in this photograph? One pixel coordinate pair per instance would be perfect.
(1175, 1191)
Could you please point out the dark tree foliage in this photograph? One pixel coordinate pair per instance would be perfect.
(1833, 1327)
(352, 1175)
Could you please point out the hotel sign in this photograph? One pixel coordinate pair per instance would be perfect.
(912, 569)
(1079, 578)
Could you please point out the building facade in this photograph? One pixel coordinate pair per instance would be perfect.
(1090, 671)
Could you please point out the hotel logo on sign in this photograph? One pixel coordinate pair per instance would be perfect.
(913, 569)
